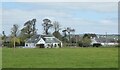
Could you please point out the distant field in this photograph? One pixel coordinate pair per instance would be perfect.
(60, 58)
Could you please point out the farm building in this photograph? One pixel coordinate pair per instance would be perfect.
(102, 41)
(43, 41)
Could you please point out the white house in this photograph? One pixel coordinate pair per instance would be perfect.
(102, 41)
(43, 41)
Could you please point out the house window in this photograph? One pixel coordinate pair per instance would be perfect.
(112, 41)
(26, 44)
(55, 45)
(59, 45)
(48, 45)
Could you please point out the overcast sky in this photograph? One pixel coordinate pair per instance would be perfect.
(84, 17)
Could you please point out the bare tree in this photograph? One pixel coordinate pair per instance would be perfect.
(56, 26)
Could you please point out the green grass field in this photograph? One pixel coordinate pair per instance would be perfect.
(0, 57)
(60, 58)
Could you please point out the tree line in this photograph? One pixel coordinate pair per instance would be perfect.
(19, 36)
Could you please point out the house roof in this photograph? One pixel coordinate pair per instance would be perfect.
(111, 36)
(33, 39)
(49, 35)
(53, 40)
(104, 40)
(47, 38)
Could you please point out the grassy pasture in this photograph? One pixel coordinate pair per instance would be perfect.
(0, 57)
(60, 58)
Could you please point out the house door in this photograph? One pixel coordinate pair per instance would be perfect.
(40, 45)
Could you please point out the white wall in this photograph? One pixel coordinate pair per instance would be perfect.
(53, 45)
(109, 44)
(29, 45)
(41, 41)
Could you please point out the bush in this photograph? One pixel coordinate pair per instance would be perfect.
(85, 42)
(97, 45)
(117, 45)
(79, 43)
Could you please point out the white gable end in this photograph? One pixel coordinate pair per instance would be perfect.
(41, 41)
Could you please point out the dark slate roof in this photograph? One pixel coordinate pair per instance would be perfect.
(104, 40)
(36, 38)
(49, 35)
(111, 36)
(53, 40)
